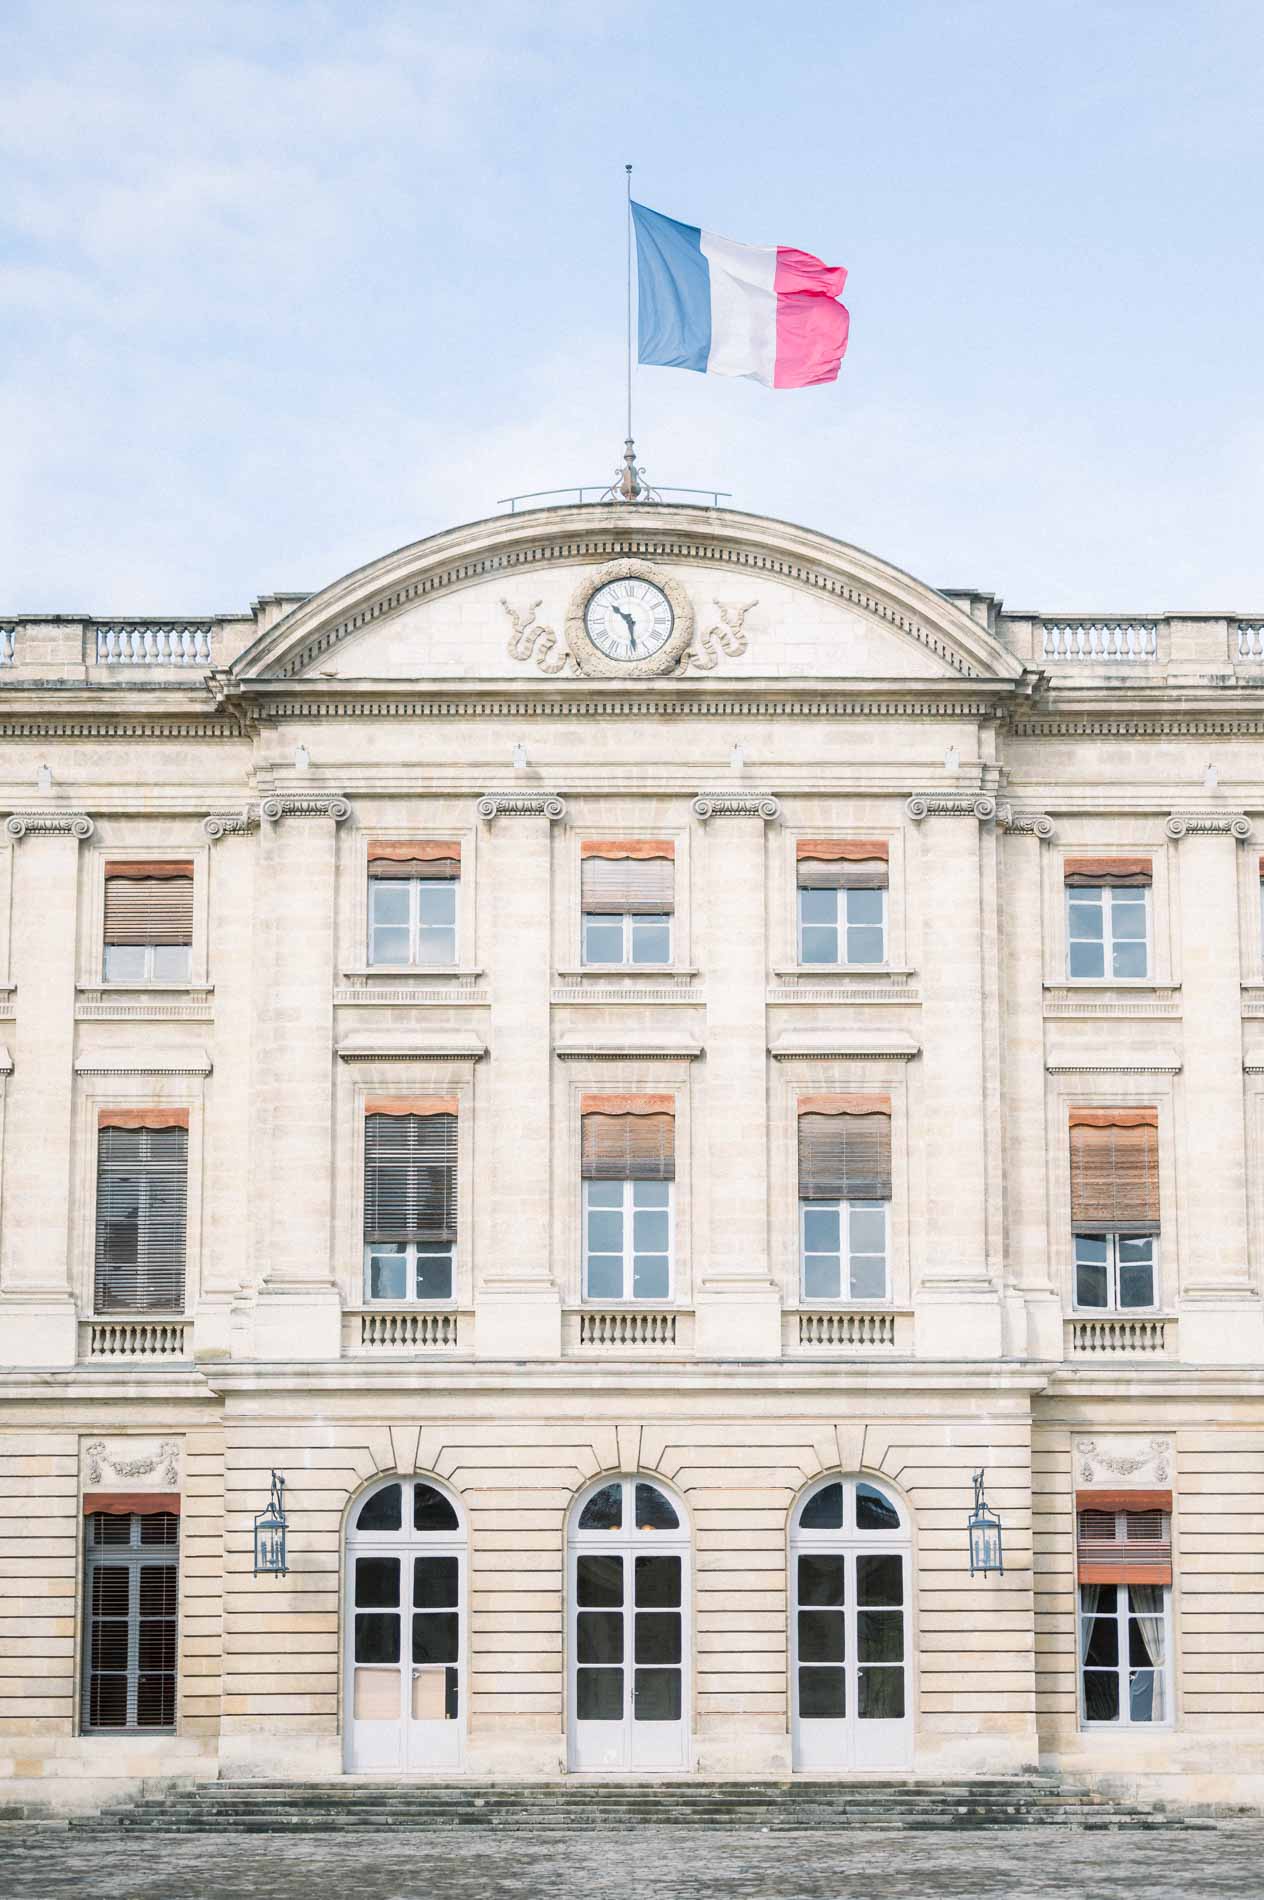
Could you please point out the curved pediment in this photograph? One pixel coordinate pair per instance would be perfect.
(503, 600)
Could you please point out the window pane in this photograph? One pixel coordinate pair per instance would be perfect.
(821, 1228)
(377, 1582)
(880, 1695)
(879, 1580)
(821, 1636)
(1136, 1283)
(657, 1583)
(1101, 1642)
(821, 1277)
(819, 945)
(124, 962)
(657, 1696)
(651, 1277)
(1084, 915)
(651, 940)
(1101, 1695)
(605, 1229)
(436, 946)
(436, 900)
(650, 1230)
(599, 1580)
(436, 1580)
(822, 1694)
(651, 1194)
(381, 1512)
(864, 946)
(654, 1512)
(603, 1512)
(388, 900)
(1128, 960)
(434, 1273)
(867, 1227)
(605, 1276)
(821, 1580)
(603, 940)
(377, 1637)
(818, 907)
(433, 1512)
(873, 1511)
(172, 962)
(1127, 917)
(604, 1193)
(389, 946)
(823, 1512)
(388, 1273)
(656, 1638)
(1087, 960)
(868, 1277)
(880, 1635)
(599, 1695)
(865, 907)
(1145, 1696)
(1090, 1283)
(599, 1636)
(156, 1701)
(436, 1638)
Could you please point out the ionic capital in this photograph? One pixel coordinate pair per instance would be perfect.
(305, 805)
(736, 805)
(951, 805)
(493, 805)
(49, 824)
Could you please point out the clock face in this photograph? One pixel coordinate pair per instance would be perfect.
(629, 619)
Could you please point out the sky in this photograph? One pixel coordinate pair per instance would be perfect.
(285, 284)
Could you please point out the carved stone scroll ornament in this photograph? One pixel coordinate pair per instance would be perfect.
(1188, 824)
(705, 648)
(494, 805)
(225, 824)
(1100, 1461)
(531, 640)
(1026, 824)
(162, 1464)
(305, 805)
(49, 824)
(950, 805)
(736, 805)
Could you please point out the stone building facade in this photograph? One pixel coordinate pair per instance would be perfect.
(625, 1052)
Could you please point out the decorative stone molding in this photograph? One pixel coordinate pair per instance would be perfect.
(635, 1046)
(1026, 824)
(107, 1460)
(590, 660)
(225, 824)
(402, 1045)
(1184, 824)
(736, 805)
(56, 824)
(189, 1062)
(703, 651)
(843, 1045)
(1104, 1462)
(493, 805)
(1113, 1068)
(305, 805)
(951, 805)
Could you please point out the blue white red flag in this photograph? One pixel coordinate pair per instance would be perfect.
(759, 310)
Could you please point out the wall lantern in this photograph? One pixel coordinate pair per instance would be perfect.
(985, 1535)
(270, 1528)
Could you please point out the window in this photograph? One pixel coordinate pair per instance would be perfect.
(628, 1168)
(627, 892)
(844, 1195)
(413, 889)
(131, 1600)
(1115, 1208)
(1108, 918)
(148, 922)
(142, 1196)
(410, 1199)
(842, 900)
(1124, 1569)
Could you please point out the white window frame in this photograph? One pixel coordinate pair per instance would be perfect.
(1106, 894)
(1112, 1306)
(148, 974)
(1123, 1667)
(846, 1297)
(841, 930)
(429, 1303)
(629, 919)
(628, 1297)
(415, 961)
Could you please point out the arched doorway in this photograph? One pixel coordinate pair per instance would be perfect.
(850, 1648)
(628, 1582)
(404, 1683)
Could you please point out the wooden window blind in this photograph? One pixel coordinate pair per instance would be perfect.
(142, 1210)
(627, 876)
(410, 1160)
(855, 864)
(149, 902)
(1115, 1170)
(628, 1138)
(131, 1603)
(1114, 871)
(1124, 1536)
(415, 857)
(845, 1148)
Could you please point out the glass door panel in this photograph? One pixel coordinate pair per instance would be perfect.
(435, 1700)
(658, 1656)
(849, 1652)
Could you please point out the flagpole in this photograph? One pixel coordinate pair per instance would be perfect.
(628, 170)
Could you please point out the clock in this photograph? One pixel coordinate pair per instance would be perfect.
(627, 621)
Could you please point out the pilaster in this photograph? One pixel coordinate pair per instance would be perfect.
(737, 1303)
(517, 1303)
(37, 1307)
(298, 1312)
(957, 1302)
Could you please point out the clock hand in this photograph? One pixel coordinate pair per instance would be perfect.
(630, 624)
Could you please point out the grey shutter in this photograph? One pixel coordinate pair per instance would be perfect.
(825, 874)
(145, 910)
(409, 1177)
(619, 885)
(131, 1601)
(142, 1213)
(403, 868)
(844, 1157)
(628, 1147)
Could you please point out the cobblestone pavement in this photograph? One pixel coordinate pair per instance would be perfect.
(38, 1863)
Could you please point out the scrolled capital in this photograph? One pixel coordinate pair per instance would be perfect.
(49, 824)
(493, 805)
(737, 805)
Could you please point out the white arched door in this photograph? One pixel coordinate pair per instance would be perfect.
(850, 1633)
(404, 1693)
(628, 1588)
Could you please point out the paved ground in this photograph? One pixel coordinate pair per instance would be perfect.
(661, 1864)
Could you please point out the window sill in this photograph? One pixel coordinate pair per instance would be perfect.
(1090, 997)
(144, 989)
(567, 972)
(894, 972)
(438, 972)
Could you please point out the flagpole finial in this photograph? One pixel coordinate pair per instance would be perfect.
(629, 483)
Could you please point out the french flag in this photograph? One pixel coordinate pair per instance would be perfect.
(759, 310)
